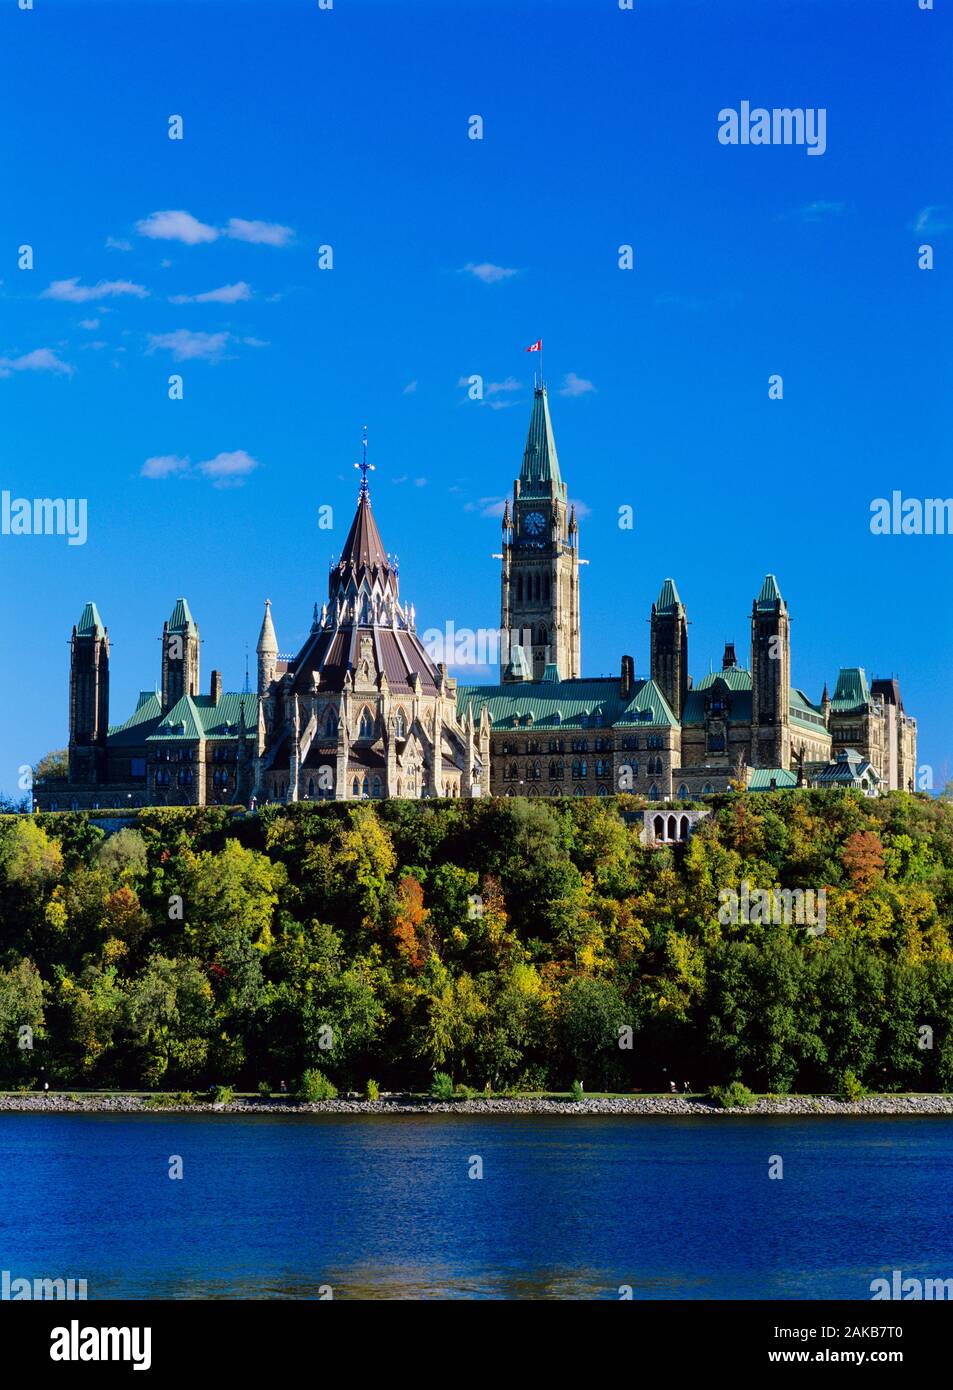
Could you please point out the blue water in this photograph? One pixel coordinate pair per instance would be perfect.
(384, 1207)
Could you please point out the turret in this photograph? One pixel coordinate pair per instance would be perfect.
(88, 698)
(267, 651)
(180, 656)
(770, 678)
(669, 647)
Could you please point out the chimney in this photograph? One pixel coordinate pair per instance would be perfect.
(216, 687)
(628, 677)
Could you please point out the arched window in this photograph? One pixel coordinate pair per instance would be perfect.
(400, 724)
(708, 789)
(542, 636)
(365, 788)
(355, 788)
(377, 786)
(672, 828)
(366, 729)
(580, 791)
(653, 792)
(331, 725)
(602, 791)
(658, 826)
(683, 792)
(683, 828)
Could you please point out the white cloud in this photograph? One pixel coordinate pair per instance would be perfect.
(933, 220)
(176, 226)
(89, 323)
(409, 389)
(74, 293)
(420, 482)
(229, 470)
(256, 342)
(488, 273)
(39, 360)
(261, 233)
(575, 385)
(819, 211)
(582, 511)
(224, 470)
(510, 384)
(492, 506)
(225, 294)
(164, 466)
(115, 243)
(187, 346)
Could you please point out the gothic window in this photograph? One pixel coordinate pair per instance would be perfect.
(310, 786)
(672, 828)
(400, 724)
(602, 791)
(708, 789)
(377, 786)
(365, 788)
(534, 772)
(653, 792)
(683, 828)
(542, 636)
(537, 590)
(659, 827)
(366, 729)
(331, 725)
(556, 770)
(355, 788)
(580, 791)
(546, 583)
(683, 792)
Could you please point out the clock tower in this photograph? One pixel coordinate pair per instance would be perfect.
(540, 582)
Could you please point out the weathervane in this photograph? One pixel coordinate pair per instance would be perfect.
(365, 468)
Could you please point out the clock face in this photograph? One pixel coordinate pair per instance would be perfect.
(535, 523)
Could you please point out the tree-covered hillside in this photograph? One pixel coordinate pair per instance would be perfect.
(517, 943)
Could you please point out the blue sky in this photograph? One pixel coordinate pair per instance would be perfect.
(348, 128)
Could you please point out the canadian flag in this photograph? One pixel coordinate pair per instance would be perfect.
(536, 347)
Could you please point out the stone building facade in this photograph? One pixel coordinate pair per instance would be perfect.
(363, 711)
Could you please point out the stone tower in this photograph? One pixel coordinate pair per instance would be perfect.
(180, 656)
(88, 698)
(770, 678)
(540, 579)
(267, 651)
(669, 647)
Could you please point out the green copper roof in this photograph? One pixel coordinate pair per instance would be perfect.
(197, 716)
(762, 777)
(140, 724)
(849, 769)
(852, 690)
(554, 704)
(735, 677)
(181, 619)
(540, 469)
(770, 593)
(668, 600)
(90, 623)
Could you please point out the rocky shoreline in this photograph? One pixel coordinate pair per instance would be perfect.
(638, 1106)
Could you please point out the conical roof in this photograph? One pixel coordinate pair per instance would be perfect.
(770, 594)
(181, 619)
(668, 600)
(267, 638)
(540, 469)
(90, 623)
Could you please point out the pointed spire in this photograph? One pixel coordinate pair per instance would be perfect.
(668, 600)
(573, 523)
(540, 463)
(267, 638)
(770, 595)
(181, 619)
(315, 620)
(90, 623)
